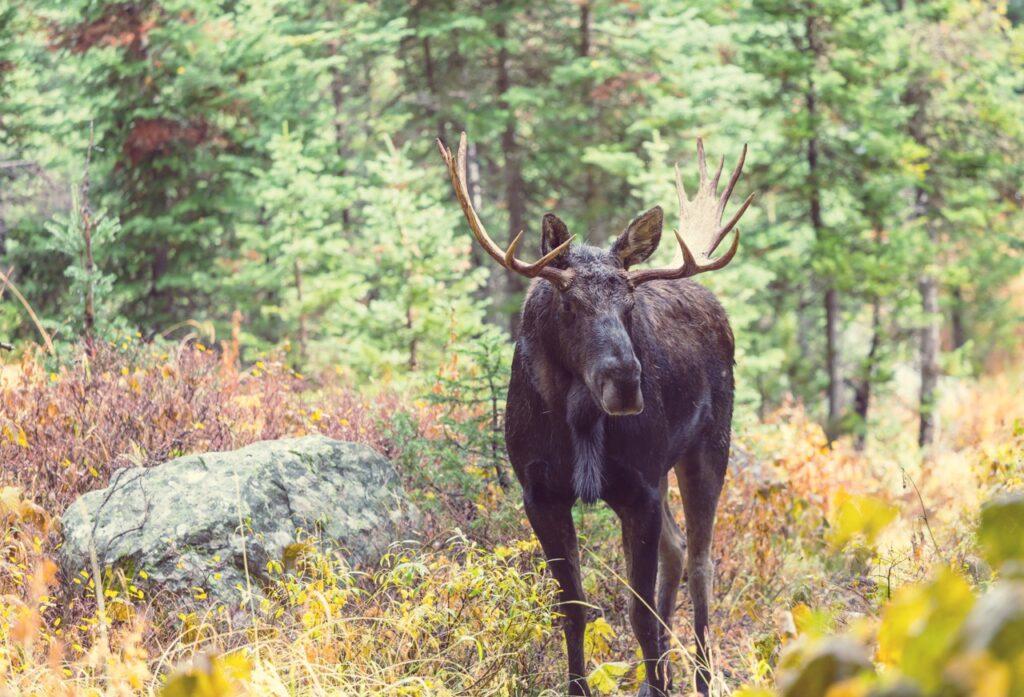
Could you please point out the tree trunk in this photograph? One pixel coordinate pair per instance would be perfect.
(515, 188)
(831, 295)
(413, 341)
(583, 51)
(584, 48)
(832, 359)
(927, 283)
(929, 289)
(303, 335)
(862, 390)
(88, 262)
(435, 93)
(957, 320)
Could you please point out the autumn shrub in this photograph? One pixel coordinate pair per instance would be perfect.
(940, 636)
(453, 619)
(814, 541)
(452, 448)
(65, 431)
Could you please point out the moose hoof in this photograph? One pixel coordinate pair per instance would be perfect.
(649, 690)
(579, 688)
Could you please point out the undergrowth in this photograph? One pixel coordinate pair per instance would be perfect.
(813, 540)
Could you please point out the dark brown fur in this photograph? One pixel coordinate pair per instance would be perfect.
(577, 360)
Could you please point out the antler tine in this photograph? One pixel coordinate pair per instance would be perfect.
(680, 190)
(734, 219)
(733, 178)
(702, 161)
(718, 174)
(457, 173)
(723, 260)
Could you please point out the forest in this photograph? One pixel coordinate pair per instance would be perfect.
(224, 223)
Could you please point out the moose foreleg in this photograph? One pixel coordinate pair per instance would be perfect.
(552, 523)
(641, 530)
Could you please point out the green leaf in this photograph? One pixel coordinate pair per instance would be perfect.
(1001, 532)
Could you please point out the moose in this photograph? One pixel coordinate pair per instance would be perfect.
(619, 376)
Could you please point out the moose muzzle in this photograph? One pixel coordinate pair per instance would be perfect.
(617, 386)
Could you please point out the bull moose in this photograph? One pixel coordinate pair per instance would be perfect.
(620, 375)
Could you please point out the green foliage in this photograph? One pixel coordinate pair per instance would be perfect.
(290, 258)
(87, 239)
(471, 393)
(418, 280)
(1001, 530)
(461, 454)
(276, 160)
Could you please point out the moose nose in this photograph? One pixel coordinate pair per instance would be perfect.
(620, 388)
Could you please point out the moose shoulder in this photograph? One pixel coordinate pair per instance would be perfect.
(619, 376)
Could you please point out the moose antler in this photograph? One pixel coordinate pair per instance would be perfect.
(700, 229)
(507, 257)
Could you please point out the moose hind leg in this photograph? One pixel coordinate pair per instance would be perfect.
(700, 482)
(552, 523)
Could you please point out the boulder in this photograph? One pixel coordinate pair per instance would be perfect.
(196, 523)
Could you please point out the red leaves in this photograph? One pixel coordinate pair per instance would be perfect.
(150, 138)
(616, 88)
(123, 25)
(132, 404)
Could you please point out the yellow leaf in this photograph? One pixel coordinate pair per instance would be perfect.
(855, 514)
(210, 676)
(812, 622)
(920, 625)
(597, 637)
(604, 679)
(14, 505)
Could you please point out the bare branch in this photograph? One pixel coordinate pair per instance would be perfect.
(6, 282)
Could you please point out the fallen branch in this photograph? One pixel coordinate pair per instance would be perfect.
(16, 164)
(6, 347)
(6, 281)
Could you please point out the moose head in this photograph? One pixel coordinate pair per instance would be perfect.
(596, 287)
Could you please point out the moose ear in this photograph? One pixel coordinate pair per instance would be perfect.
(553, 233)
(640, 238)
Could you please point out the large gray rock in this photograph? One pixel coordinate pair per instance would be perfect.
(186, 522)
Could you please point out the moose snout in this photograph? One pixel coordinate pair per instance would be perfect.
(618, 390)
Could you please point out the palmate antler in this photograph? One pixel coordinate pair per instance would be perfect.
(700, 229)
(507, 258)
